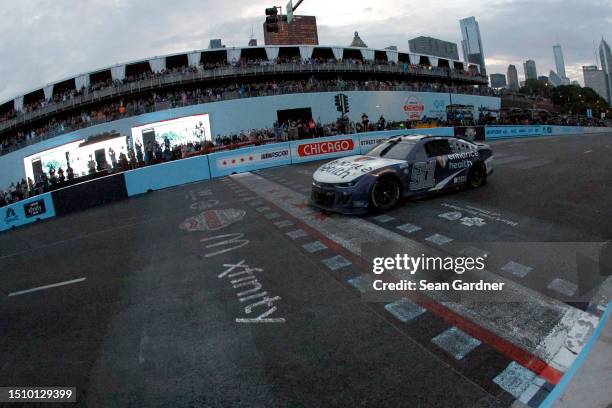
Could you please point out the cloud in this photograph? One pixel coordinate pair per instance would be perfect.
(50, 40)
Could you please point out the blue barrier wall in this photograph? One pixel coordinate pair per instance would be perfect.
(249, 159)
(167, 175)
(27, 211)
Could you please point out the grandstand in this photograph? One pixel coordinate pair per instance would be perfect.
(220, 82)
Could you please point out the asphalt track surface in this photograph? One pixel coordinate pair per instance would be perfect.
(167, 314)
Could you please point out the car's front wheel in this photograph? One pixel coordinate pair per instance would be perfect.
(477, 176)
(385, 194)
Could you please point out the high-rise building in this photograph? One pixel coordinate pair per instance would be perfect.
(559, 61)
(391, 48)
(214, 44)
(472, 43)
(301, 31)
(530, 70)
(543, 78)
(595, 79)
(253, 42)
(554, 79)
(498, 81)
(434, 46)
(605, 56)
(513, 82)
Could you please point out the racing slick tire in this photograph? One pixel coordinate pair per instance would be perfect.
(477, 177)
(385, 194)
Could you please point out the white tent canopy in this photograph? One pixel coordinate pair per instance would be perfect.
(82, 81)
(392, 56)
(272, 53)
(306, 52)
(48, 90)
(193, 58)
(118, 73)
(338, 52)
(367, 54)
(158, 64)
(233, 54)
(18, 103)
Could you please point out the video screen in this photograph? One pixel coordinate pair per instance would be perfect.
(180, 131)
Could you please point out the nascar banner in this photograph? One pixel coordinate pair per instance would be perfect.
(249, 159)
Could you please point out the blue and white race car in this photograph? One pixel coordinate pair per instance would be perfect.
(401, 167)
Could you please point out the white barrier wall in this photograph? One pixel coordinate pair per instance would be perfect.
(227, 117)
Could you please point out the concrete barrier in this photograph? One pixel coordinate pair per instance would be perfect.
(166, 175)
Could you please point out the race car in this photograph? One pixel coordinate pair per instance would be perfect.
(401, 167)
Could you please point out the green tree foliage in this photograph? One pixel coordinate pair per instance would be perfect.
(572, 99)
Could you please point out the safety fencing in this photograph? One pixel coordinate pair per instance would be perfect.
(118, 187)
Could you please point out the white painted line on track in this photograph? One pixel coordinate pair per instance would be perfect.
(53, 285)
(404, 309)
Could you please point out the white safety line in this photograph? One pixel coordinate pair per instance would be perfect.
(53, 285)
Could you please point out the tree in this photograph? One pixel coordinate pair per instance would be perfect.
(536, 87)
(572, 99)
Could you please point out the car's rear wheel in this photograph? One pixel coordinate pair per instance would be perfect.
(385, 194)
(477, 176)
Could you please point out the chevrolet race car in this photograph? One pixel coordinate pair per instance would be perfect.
(401, 167)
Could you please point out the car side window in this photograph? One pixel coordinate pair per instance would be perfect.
(459, 146)
(437, 148)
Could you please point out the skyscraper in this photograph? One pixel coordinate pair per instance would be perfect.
(559, 62)
(530, 70)
(596, 80)
(513, 82)
(555, 79)
(472, 43)
(434, 46)
(605, 55)
(498, 81)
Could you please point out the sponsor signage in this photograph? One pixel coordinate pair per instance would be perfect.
(414, 108)
(249, 159)
(34, 208)
(322, 148)
(252, 157)
(26, 211)
(474, 133)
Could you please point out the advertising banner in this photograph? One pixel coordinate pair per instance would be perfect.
(473, 133)
(27, 211)
(249, 159)
(324, 148)
(503, 132)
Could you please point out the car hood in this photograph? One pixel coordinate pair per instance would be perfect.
(347, 169)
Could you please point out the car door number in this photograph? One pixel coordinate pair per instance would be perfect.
(423, 175)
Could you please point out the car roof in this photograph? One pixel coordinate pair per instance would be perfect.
(418, 138)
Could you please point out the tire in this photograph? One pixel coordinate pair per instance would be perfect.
(477, 177)
(385, 194)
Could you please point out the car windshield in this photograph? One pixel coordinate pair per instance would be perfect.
(393, 149)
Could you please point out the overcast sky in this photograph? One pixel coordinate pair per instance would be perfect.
(47, 40)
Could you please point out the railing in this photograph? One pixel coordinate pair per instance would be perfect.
(219, 73)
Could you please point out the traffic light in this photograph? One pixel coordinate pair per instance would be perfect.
(337, 102)
(272, 20)
(346, 104)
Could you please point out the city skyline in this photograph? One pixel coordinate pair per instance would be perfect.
(118, 31)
